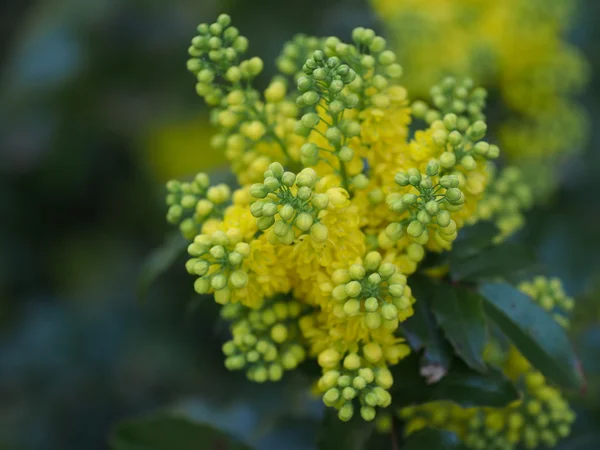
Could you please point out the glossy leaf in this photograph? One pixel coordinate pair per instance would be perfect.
(335, 434)
(170, 432)
(461, 385)
(473, 239)
(160, 260)
(459, 312)
(534, 332)
(506, 262)
(421, 330)
(433, 439)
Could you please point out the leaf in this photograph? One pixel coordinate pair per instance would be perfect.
(433, 439)
(170, 432)
(335, 434)
(473, 239)
(459, 312)
(534, 332)
(422, 331)
(507, 262)
(159, 261)
(461, 385)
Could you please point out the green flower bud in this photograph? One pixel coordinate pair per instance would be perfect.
(447, 160)
(304, 193)
(346, 154)
(258, 191)
(371, 304)
(394, 71)
(423, 217)
(439, 137)
(272, 184)
(389, 312)
(449, 181)
(409, 199)
(288, 179)
(320, 201)
(346, 412)
(394, 231)
(201, 268)
(372, 261)
(353, 288)
(269, 209)
(454, 195)
(331, 397)
(218, 282)
(202, 285)
(432, 207)
(307, 177)
(360, 181)
(238, 279)
(367, 413)
(352, 361)
(352, 307)
(310, 120)
(396, 290)
(374, 279)
(287, 212)
(281, 228)
(356, 271)
(386, 270)
(372, 320)
(433, 168)
(477, 130)
(415, 228)
(319, 232)
(310, 98)
(265, 222)
(468, 162)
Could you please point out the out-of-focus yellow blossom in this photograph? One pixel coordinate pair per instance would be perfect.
(338, 204)
(515, 48)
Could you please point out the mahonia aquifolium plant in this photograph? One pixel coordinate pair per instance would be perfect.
(338, 205)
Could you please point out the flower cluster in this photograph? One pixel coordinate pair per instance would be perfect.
(506, 199)
(337, 205)
(517, 48)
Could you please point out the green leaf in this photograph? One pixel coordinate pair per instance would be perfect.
(433, 439)
(508, 261)
(421, 330)
(459, 312)
(170, 432)
(534, 332)
(335, 434)
(473, 239)
(159, 261)
(461, 385)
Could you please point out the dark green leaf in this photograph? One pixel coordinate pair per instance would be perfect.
(473, 239)
(459, 312)
(170, 432)
(534, 332)
(507, 262)
(160, 260)
(335, 434)
(421, 330)
(434, 439)
(461, 385)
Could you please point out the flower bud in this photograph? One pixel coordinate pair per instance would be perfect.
(319, 232)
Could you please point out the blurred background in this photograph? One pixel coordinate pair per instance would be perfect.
(97, 111)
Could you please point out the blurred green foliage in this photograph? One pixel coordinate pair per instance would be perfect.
(96, 110)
